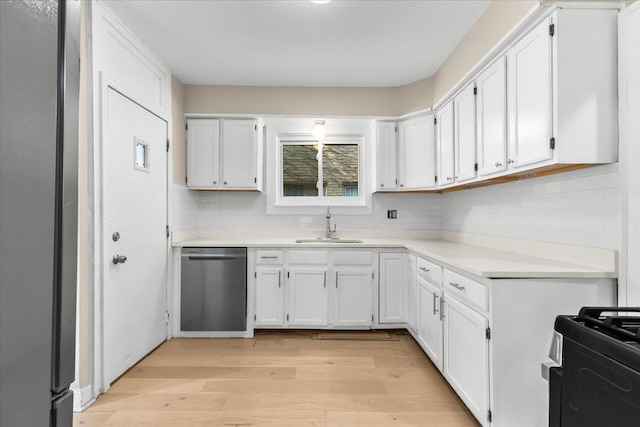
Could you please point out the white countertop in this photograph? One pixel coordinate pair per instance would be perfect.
(482, 261)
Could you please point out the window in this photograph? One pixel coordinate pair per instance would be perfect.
(316, 173)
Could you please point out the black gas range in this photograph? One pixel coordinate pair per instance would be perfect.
(598, 382)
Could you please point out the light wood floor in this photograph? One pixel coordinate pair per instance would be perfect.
(282, 378)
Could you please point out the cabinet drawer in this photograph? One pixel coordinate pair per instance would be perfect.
(430, 271)
(467, 289)
(309, 257)
(269, 257)
(352, 258)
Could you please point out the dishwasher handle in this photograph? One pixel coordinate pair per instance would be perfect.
(210, 257)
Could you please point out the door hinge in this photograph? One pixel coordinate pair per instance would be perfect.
(489, 415)
(255, 180)
(255, 274)
(552, 30)
(186, 126)
(475, 90)
(475, 167)
(436, 178)
(395, 128)
(372, 275)
(287, 317)
(552, 143)
(435, 120)
(255, 317)
(487, 333)
(372, 317)
(255, 127)
(167, 145)
(167, 231)
(167, 314)
(396, 181)
(186, 179)
(288, 275)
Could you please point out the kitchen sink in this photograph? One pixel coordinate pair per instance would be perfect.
(328, 240)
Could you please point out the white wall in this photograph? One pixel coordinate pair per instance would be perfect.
(580, 208)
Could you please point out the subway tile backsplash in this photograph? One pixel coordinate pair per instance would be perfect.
(580, 208)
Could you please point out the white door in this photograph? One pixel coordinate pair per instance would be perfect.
(386, 148)
(269, 297)
(308, 297)
(203, 153)
(466, 356)
(529, 90)
(464, 106)
(430, 328)
(444, 130)
(239, 153)
(491, 110)
(135, 289)
(352, 301)
(417, 153)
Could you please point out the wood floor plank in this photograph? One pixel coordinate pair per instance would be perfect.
(157, 385)
(310, 387)
(345, 402)
(207, 372)
(346, 352)
(160, 402)
(215, 419)
(91, 419)
(366, 362)
(419, 374)
(398, 419)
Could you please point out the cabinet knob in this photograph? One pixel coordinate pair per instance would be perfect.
(382, 184)
(225, 182)
(401, 185)
(510, 161)
(215, 182)
(498, 164)
(449, 178)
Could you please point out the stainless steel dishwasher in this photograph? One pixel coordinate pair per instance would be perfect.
(213, 294)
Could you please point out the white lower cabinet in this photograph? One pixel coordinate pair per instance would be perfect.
(466, 355)
(412, 294)
(269, 296)
(352, 297)
(391, 298)
(308, 297)
(430, 324)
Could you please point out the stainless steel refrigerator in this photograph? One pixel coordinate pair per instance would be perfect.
(39, 78)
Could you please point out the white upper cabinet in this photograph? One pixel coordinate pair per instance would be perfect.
(464, 109)
(491, 119)
(203, 153)
(386, 156)
(239, 154)
(417, 153)
(529, 97)
(224, 154)
(446, 152)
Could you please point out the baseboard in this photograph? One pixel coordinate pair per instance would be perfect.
(82, 398)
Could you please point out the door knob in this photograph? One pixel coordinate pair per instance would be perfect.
(119, 259)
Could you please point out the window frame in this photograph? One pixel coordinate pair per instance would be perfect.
(320, 200)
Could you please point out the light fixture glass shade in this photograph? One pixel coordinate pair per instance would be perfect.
(318, 131)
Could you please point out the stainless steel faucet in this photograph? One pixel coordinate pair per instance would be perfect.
(328, 230)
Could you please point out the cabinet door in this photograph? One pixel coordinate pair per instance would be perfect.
(417, 153)
(466, 356)
(352, 298)
(386, 148)
(529, 70)
(203, 153)
(391, 288)
(412, 294)
(444, 131)
(308, 297)
(492, 119)
(430, 328)
(239, 154)
(464, 109)
(269, 297)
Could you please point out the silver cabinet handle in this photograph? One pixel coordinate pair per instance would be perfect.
(457, 286)
(435, 299)
(426, 270)
(336, 280)
(325, 279)
(279, 278)
(442, 308)
(268, 257)
(119, 259)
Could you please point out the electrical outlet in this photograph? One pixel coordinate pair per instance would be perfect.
(392, 214)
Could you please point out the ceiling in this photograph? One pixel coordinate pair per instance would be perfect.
(355, 43)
